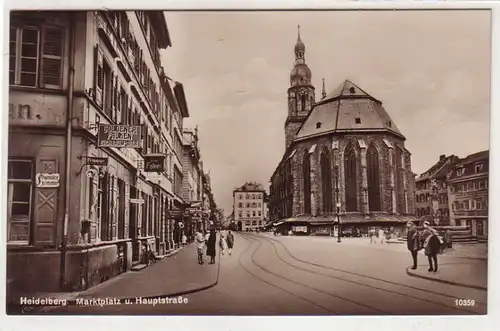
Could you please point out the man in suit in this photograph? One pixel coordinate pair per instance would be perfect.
(413, 242)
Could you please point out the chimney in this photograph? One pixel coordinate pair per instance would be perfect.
(442, 157)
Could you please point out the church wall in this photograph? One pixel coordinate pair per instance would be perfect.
(337, 158)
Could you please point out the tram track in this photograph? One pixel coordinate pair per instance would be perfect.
(379, 282)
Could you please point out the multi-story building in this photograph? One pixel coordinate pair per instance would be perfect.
(248, 206)
(468, 193)
(192, 185)
(344, 155)
(431, 195)
(94, 146)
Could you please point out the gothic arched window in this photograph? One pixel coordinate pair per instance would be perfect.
(398, 176)
(373, 175)
(306, 174)
(351, 182)
(303, 102)
(326, 179)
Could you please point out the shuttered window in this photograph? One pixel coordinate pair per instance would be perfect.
(36, 56)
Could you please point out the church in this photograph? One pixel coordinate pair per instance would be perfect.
(344, 157)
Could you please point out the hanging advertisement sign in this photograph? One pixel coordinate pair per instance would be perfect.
(154, 163)
(97, 161)
(119, 136)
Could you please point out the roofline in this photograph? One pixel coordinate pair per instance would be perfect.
(159, 23)
(340, 97)
(347, 131)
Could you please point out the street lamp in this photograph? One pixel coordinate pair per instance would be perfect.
(339, 229)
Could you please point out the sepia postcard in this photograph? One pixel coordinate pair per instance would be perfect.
(248, 163)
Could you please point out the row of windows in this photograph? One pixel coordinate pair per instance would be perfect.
(474, 204)
(254, 223)
(105, 207)
(242, 196)
(477, 169)
(443, 213)
(427, 185)
(421, 198)
(251, 214)
(250, 205)
(469, 186)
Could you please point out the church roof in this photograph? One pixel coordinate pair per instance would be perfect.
(347, 108)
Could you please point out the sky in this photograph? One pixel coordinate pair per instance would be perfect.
(431, 70)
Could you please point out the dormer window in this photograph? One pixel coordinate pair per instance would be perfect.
(478, 167)
(358, 120)
(460, 172)
(352, 90)
(318, 125)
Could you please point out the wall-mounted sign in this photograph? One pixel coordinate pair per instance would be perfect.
(97, 161)
(154, 163)
(120, 136)
(44, 180)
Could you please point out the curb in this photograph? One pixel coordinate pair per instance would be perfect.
(449, 282)
(71, 300)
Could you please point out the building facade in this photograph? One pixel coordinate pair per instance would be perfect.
(343, 152)
(95, 171)
(248, 206)
(468, 193)
(431, 194)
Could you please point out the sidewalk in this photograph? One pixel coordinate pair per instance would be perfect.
(179, 273)
(472, 274)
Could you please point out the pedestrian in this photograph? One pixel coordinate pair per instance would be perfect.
(448, 238)
(200, 245)
(184, 240)
(381, 235)
(431, 246)
(413, 242)
(222, 243)
(230, 242)
(212, 239)
(373, 237)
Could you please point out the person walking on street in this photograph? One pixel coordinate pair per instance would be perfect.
(448, 238)
(381, 235)
(373, 237)
(212, 239)
(184, 240)
(200, 245)
(432, 246)
(230, 242)
(413, 242)
(222, 243)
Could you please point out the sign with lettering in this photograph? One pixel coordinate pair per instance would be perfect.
(119, 136)
(154, 163)
(44, 180)
(97, 161)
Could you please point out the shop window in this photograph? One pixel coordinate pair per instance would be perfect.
(36, 56)
(19, 203)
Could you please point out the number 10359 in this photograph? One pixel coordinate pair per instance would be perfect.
(465, 302)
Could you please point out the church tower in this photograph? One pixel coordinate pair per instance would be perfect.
(300, 93)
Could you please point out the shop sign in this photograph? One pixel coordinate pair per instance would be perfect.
(97, 161)
(44, 180)
(119, 136)
(154, 163)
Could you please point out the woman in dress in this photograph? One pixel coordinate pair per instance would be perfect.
(431, 245)
(212, 239)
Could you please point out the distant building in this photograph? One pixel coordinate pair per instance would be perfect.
(425, 195)
(249, 206)
(468, 193)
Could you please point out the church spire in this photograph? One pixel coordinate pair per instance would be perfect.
(323, 93)
(300, 48)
